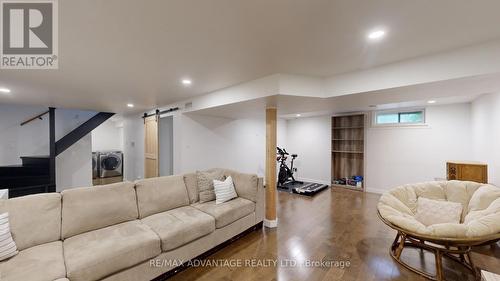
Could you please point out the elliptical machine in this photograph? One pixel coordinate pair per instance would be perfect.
(285, 175)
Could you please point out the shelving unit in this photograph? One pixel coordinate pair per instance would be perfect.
(348, 138)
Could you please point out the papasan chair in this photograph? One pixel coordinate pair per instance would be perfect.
(426, 216)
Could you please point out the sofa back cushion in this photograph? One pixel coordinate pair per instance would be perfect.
(90, 208)
(191, 182)
(205, 182)
(156, 195)
(34, 219)
(246, 185)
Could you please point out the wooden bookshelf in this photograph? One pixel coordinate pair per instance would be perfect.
(348, 145)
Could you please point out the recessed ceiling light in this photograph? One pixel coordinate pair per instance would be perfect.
(376, 34)
(298, 115)
(4, 90)
(130, 105)
(431, 101)
(187, 82)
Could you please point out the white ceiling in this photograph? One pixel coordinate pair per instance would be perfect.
(461, 90)
(115, 52)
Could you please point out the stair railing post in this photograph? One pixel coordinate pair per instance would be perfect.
(52, 149)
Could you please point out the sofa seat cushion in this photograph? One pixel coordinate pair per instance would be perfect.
(180, 226)
(102, 252)
(227, 212)
(44, 262)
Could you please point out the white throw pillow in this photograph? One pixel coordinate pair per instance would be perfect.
(431, 212)
(224, 190)
(8, 247)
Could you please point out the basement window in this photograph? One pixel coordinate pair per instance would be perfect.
(402, 117)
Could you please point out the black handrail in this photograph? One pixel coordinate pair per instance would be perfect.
(39, 116)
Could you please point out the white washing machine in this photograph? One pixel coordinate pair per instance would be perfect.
(110, 164)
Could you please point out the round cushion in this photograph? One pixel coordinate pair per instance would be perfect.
(480, 215)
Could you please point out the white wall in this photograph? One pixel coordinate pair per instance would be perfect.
(310, 138)
(397, 156)
(166, 146)
(394, 155)
(133, 147)
(203, 142)
(282, 132)
(73, 167)
(108, 136)
(486, 134)
(16, 141)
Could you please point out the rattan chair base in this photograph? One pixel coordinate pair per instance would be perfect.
(456, 249)
(459, 254)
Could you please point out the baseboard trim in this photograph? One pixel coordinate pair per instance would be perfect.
(375, 190)
(271, 223)
(314, 181)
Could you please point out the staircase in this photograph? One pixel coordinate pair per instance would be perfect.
(37, 174)
(33, 176)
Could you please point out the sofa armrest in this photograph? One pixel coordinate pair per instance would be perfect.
(260, 204)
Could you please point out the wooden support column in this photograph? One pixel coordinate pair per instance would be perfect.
(271, 219)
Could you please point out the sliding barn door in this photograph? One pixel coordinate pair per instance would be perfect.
(151, 147)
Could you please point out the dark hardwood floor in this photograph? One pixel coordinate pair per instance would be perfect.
(335, 225)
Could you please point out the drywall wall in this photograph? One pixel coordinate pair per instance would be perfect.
(399, 155)
(204, 142)
(201, 142)
(108, 136)
(73, 167)
(15, 141)
(166, 146)
(281, 134)
(485, 118)
(310, 139)
(394, 155)
(133, 147)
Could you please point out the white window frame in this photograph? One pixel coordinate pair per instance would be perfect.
(406, 110)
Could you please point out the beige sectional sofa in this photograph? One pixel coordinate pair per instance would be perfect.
(124, 231)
